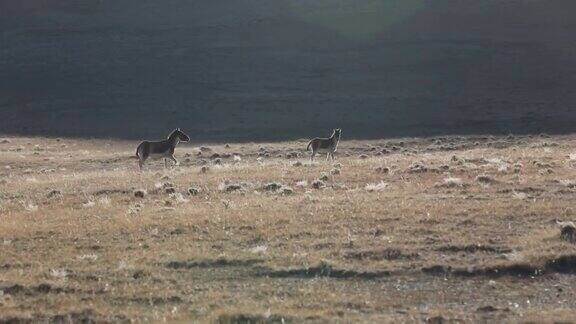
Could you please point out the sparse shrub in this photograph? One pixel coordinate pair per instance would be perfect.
(218, 161)
(485, 179)
(292, 155)
(194, 191)
(167, 185)
(373, 187)
(215, 156)
(272, 186)
(297, 164)
(140, 193)
(335, 171)
(4, 141)
(540, 164)
(324, 177)
(285, 190)
(165, 177)
(204, 169)
(204, 149)
(318, 184)
(54, 193)
(444, 167)
(237, 158)
(227, 146)
(568, 231)
(363, 156)
(231, 187)
(169, 190)
(384, 170)
(417, 168)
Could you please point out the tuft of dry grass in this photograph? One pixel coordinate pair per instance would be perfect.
(451, 182)
(318, 184)
(373, 187)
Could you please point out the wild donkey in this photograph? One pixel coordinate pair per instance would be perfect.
(161, 149)
(328, 145)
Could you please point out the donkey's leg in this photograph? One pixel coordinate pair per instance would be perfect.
(165, 163)
(174, 160)
(312, 156)
(140, 163)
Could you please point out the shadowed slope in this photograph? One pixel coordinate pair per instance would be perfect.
(261, 70)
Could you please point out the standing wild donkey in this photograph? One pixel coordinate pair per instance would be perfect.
(161, 149)
(328, 145)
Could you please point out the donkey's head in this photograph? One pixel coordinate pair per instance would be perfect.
(337, 132)
(180, 135)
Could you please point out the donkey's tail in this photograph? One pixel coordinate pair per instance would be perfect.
(309, 144)
(137, 155)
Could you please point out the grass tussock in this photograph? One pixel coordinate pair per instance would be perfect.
(375, 187)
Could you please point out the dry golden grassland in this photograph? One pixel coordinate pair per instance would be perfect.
(412, 230)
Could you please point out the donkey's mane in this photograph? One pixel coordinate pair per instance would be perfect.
(173, 133)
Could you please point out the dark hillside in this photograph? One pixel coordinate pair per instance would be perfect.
(267, 70)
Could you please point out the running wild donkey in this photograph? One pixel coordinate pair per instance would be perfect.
(161, 149)
(328, 145)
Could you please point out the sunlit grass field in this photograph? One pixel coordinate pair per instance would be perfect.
(399, 230)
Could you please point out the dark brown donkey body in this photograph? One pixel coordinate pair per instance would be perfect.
(161, 149)
(327, 145)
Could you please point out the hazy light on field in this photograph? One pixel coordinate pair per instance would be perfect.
(360, 21)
